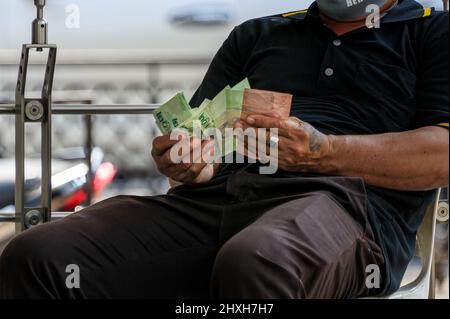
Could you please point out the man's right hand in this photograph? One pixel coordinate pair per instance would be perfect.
(193, 172)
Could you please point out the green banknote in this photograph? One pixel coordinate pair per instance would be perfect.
(220, 113)
(201, 115)
(173, 113)
(241, 86)
(218, 109)
(234, 99)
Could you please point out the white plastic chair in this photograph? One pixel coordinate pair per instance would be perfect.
(423, 286)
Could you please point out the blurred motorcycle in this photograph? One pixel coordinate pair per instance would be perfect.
(73, 183)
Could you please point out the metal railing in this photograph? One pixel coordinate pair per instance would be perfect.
(69, 109)
(85, 109)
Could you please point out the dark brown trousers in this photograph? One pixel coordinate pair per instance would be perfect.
(240, 236)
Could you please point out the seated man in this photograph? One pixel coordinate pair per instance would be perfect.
(358, 162)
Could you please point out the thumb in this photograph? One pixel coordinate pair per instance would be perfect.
(205, 175)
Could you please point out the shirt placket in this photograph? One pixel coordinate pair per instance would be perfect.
(330, 66)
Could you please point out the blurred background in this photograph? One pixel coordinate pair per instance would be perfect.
(119, 52)
(116, 52)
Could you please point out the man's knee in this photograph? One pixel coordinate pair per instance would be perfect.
(27, 265)
(19, 251)
(251, 262)
(237, 257)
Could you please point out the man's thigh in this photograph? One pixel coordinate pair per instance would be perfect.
(310, 247)
(124, 247)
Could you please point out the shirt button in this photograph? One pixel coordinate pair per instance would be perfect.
(337, 43)
(329, 72)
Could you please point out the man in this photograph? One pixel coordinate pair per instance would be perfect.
(359, 158)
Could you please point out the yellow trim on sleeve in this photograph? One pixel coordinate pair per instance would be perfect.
(426, 12)
(289, 14)
(443, 125)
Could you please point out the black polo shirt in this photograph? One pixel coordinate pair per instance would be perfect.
(369, 81)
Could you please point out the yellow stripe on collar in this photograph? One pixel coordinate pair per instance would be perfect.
(289, 14)
(443, 125)
(427, 12)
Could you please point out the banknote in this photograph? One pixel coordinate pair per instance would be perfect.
(241, 86)
(234, 106)
(266, 103)
(223, 111)
(234, 99)
(218, 109)
(200, 114)
(173, 113)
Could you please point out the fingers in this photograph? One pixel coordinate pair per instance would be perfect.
(258, 144)
(195, 168)
(261, 149)
(247, 146)
(200, 152)
(261, 121)
(264, 121)
(288, 127)
(162, 144)
(188, 175)
(185, 160)
(206, 174)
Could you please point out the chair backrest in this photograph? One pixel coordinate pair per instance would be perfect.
(426, 235)
(425, 244)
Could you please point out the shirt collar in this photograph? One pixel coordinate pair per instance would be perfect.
(405, 10)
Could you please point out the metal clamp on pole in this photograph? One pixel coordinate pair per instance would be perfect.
(38, 111)
(39, 28)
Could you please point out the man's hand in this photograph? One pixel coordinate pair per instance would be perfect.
(191, 171)
(414, 160)
(300, 145)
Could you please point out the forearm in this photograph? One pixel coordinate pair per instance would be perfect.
(414, 160)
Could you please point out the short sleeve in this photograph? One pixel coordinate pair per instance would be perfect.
(433, 88)
(227, 67)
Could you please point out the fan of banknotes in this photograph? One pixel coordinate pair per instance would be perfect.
(229, 106)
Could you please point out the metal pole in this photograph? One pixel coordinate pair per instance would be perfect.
(74, 109)
(99, 109)
(39, 111)
(56, 109)
(46, 136)
(39, 26)
(20, 140)
(88, 153)
(36, 110)
(9, 217)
